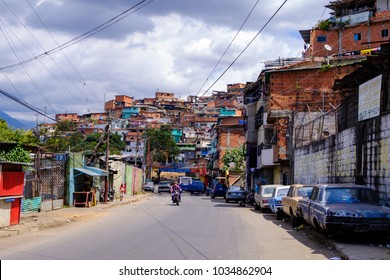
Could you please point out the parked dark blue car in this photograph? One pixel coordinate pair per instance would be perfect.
(219, 190)
(197, 186)
(344, 208)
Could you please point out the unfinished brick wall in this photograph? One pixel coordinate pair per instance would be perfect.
(306, 89)
(229, 138)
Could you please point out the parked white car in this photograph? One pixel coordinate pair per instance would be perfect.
(263, 195)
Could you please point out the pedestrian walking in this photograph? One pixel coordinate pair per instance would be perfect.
(122, 192)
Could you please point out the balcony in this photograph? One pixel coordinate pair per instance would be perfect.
(265, 156)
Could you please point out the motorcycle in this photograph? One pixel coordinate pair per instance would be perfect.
(176, 197)
(110, 197)
(250, 198)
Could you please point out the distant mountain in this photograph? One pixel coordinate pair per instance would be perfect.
(16, 124)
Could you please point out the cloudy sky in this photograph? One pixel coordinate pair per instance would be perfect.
(66, 56)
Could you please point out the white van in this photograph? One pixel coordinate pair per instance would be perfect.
(185, 183)
(185, 180)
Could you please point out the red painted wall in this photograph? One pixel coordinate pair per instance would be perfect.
(15, 212)
(11, 183)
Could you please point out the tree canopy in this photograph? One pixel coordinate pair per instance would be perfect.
(234, 159)
(162, 144)
(10, 135)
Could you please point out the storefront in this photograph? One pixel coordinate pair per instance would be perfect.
(85, 185)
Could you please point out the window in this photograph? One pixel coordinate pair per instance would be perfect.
(385, 33)
(321, 39)
(357, 36)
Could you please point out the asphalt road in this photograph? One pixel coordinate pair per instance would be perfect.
(154, 229)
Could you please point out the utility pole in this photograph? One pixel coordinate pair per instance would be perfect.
(107, 159)
(149, 163)
(136, 150)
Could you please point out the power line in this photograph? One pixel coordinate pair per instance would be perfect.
(239, 55)
(87, 34)
(69, 61)
(25, 104)
(11, 44)
(246, 47)
(27, 48)
(228, 47)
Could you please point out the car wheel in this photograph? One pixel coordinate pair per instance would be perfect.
(317, 225)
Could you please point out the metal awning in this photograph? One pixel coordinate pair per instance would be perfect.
(10, 197)
(92, 171)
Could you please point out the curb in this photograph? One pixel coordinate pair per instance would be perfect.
(36, 221)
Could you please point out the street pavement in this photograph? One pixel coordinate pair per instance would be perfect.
(31, 222)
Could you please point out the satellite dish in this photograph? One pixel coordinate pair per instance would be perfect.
(327, 47)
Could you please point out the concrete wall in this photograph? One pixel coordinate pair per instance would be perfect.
(133, 179)
(359, 155)
(5, 213)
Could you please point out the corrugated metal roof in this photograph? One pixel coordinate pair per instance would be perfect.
(92, 171)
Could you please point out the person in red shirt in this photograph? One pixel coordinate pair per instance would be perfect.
(122, 192)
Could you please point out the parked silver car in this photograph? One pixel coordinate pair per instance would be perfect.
(148, 185)
(164, 186)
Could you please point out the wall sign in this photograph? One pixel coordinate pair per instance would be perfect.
(370, 98)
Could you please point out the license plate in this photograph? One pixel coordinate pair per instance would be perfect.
(360, 228)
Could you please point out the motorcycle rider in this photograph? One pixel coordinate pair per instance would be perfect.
(175, 187)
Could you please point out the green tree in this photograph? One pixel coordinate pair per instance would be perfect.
(162, 144)
(19, 136)
(15, 154)
(116, 144)
(234, 159)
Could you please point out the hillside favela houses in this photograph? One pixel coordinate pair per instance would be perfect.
(66, 178)
(325, 118)
(320, 118)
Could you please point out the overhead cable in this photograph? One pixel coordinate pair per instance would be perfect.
(247, 46)
(25, 104)
(228, 47)
(85, 35)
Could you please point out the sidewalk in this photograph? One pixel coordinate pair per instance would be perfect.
(35, 221)
(32, 222)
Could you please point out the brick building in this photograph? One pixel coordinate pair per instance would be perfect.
(69, 117)
(355, 27)
(228, 134)
(358, 152)
(285, 97)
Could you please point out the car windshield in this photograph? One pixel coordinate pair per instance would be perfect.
(268, 190)
(351, 195)
(282, 192)
(220, 186)
(304, 191)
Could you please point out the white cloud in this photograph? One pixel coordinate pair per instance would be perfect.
(170, 46)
